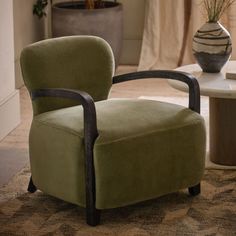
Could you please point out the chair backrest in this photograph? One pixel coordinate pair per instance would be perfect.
(75, 62)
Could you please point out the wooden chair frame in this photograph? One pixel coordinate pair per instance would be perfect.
(91, 132)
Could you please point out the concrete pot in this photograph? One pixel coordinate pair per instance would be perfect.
(70, 18)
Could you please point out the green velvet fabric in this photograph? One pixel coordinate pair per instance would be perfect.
(145, 149)
(76, 62)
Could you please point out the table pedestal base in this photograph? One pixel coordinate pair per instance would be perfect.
(223, 131)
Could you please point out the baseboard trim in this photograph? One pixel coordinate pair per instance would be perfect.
(9, 113)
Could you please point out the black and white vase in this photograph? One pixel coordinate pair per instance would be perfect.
(212, 47)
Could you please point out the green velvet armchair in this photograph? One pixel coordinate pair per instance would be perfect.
(100, 153)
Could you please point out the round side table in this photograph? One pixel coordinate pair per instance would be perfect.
(222, 110)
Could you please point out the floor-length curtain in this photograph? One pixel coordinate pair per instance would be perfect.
(169, 29)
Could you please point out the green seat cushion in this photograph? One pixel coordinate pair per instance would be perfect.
(145, 149)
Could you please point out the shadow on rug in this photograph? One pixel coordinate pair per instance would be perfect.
(211, 213)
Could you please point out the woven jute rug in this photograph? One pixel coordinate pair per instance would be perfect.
(211, 213)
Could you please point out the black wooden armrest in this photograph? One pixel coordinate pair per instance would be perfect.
(90, 120)
(90, 133)
(191, 81)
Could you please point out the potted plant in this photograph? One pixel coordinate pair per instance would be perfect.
(212, 44)
(89, 17)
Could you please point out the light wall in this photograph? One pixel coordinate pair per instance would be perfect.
(27, 29)
(133, 30)
(7, 49)
(9, 97)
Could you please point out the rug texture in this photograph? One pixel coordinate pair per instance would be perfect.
(211, 213)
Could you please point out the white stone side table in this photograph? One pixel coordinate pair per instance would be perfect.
(222, 109)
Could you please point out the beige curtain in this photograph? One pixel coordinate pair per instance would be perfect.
(169, 29)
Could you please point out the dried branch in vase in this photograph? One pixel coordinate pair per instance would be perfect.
(216, 8)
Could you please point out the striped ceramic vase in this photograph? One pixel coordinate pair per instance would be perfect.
(212, 47)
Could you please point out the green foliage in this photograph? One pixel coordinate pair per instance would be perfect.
(39, 8)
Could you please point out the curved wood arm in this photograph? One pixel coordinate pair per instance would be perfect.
(90, 120)
(90, 134)
(191, 81)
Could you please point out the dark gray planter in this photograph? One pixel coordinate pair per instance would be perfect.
(70, 18)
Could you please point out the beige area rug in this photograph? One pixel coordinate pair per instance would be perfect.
(211, 213)
(183, 101)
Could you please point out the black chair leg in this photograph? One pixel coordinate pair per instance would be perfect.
(93, 216)
(31, 187)
(195, 190)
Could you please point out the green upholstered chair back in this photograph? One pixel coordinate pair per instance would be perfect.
(75, 62)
